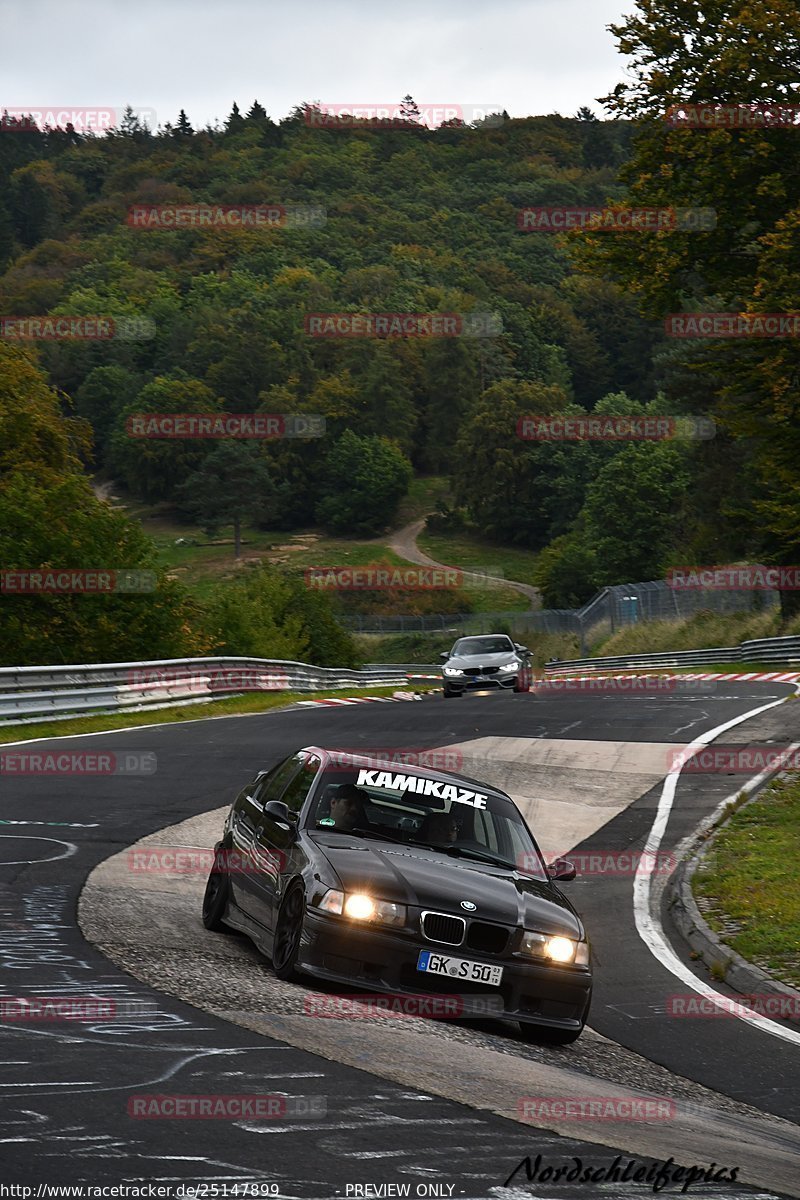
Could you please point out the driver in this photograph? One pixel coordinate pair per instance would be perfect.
(347, 807)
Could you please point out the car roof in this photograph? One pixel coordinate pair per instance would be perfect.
(363, 760)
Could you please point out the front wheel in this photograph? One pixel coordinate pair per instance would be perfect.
(288, 934)
(215, 900)
(448, 694)
(523, 681)
(540, 1035)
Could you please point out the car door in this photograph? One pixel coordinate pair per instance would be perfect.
(278, 848)
(243, 868)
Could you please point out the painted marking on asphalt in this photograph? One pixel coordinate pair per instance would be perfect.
(649, 926)
(71, 849)
(53, 824)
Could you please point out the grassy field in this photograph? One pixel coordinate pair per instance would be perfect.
(468, 552)
(200, 562)
(703, 630)
(748, 886)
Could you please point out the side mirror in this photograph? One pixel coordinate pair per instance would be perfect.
(522, 649)
(562, 869)
(444, 656)
(279, 813)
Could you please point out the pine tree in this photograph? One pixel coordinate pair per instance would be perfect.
(408, 109)
(183, 128)
(235, 120)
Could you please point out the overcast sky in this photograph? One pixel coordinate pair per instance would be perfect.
(527, 56)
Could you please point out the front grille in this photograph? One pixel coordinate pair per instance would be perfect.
(438, 927)
(488, 939)
(480, 671)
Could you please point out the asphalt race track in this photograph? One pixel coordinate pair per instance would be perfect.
(67, 1086)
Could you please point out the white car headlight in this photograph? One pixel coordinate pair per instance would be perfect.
(512, 666)
(555, 948)
(452, 671)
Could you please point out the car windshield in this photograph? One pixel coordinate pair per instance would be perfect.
(460, 819)
(483, 645)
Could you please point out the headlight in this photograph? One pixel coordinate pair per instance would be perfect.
(555, 948)
(360, 907)
(452, 671)
(512, 666)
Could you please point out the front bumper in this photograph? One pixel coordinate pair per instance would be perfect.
(467, 683)
(380, 961)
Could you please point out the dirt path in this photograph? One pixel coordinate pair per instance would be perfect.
(404, 543)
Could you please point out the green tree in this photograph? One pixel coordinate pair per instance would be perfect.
(363, 481)
(101, 397)
(153, 467)
(50, 518)
(233, 485)
(183, 129)
(633, 512)
(565, 571)
(267, 614)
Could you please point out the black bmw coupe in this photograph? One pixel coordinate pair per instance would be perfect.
(411, 882)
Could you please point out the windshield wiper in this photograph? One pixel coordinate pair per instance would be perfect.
(359, 831)
(468, 852)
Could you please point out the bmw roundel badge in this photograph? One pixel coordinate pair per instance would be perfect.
(468, 905)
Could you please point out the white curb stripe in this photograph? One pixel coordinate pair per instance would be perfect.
(649, 927)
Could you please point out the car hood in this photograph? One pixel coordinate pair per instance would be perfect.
(463, 661)
(424, 878)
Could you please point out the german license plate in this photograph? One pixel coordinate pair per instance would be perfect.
(458, 968)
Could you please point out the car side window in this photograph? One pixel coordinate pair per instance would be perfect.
(299, 786)
(273, 786)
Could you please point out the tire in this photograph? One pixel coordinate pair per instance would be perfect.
(539, 1035)
(288, 934)
(523, 681)
(448, 695)
(215, 900)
